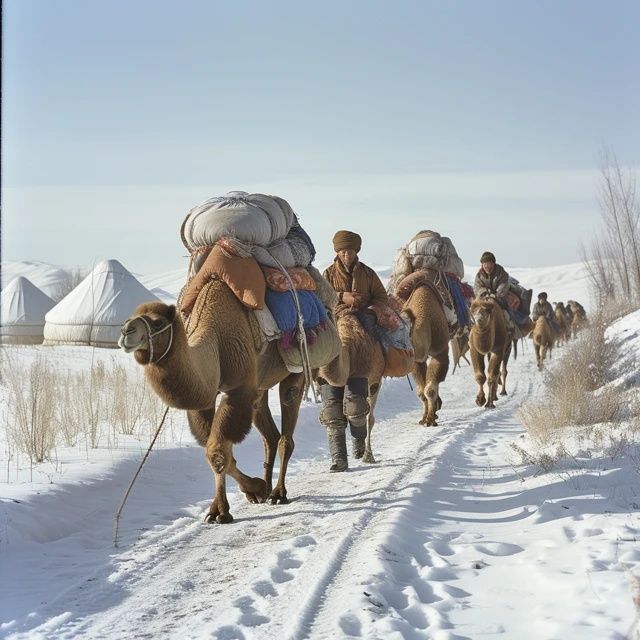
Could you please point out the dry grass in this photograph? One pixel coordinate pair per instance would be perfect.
(579, 394)
(33, 428)
(49, 407)
(577, 391)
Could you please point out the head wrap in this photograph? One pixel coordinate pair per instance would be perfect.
(487, 256)
(346, 240)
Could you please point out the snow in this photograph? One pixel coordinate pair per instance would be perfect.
(448, 536)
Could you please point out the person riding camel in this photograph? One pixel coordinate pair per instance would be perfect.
(544, 308)
(357, 285)
(492, 281)
(360, 293)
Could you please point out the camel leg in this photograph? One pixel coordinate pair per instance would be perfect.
(493, 371)
(420, 376)
(504, 372)
(233, 416)
(291, 390)
(477, 360)
(374, 389)
(436, 373)
(200, 424)
(265, 424)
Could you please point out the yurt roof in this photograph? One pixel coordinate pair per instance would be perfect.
(23, 303)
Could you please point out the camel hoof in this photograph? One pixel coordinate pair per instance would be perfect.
(480, 402)
(259, 491)
(503, 393)
(224, 518)
(279, 497)
(221, 518)
(368, 458)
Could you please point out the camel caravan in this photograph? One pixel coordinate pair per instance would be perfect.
(255, 314)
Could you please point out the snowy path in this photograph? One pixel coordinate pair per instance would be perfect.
(443, 539)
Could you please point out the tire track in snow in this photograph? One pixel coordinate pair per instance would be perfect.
(312, 622)
(319, 617)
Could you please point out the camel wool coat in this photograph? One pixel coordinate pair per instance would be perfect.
(362, 280)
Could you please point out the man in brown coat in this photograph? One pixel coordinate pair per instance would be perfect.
(358, 288)
(357, 285)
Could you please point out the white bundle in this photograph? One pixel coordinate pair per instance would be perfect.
(255, 219)
(430, 250)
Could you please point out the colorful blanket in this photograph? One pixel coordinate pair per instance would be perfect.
(283, 308)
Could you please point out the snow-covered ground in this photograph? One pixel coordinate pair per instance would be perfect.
(448, 536)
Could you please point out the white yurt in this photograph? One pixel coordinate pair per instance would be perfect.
(93, 313)
(22, 310)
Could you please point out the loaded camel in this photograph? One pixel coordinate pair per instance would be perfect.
(430, 340)
(215, 355)
(489, 337)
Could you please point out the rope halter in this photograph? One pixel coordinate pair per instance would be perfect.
(151, 334)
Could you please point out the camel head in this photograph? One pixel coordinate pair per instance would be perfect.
(481, 312)
(148, 333)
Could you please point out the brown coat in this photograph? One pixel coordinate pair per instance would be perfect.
(362, 280)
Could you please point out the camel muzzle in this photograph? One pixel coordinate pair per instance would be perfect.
(125, 332)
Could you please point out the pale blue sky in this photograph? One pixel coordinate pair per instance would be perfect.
(481, 119)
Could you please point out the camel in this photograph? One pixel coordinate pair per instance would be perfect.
(489, 337)
(543, 338)
(578, 317)
(430, 340)
(216, 355)
(564, 332)
(361, 356)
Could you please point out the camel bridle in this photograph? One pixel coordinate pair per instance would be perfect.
(151, 334)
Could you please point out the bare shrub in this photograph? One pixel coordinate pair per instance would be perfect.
(32, 426)
(128, 398)
(70, 411)
(93, 402)
(613, 260)
(577, 390)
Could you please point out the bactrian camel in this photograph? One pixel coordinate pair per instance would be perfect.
(564, 328)
(489, 337)
(215, 354)
(361, 356)
(543, 337)
(430, 340)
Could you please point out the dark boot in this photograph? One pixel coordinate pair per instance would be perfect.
(338, 448)
(356, 408)
(332, 417)
(358, 447)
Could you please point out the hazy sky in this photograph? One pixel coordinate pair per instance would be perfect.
(480, 119)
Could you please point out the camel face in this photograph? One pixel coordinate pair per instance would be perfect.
(134, 336)
(481, 315)
(146, 331)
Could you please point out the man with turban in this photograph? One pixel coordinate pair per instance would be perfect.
(358, 288)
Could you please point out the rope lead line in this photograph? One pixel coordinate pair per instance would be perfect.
(116, 524)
